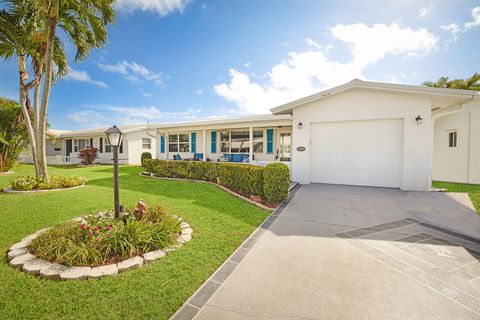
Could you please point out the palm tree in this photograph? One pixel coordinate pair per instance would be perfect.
(472, 83)
(84, 22)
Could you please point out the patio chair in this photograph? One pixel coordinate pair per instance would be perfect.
(177, 157)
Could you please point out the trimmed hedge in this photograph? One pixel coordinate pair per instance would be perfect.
(276, 182)
(244, 179)
(144, 156)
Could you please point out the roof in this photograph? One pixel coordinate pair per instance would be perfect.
(442, 97)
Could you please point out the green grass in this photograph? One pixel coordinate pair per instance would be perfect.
(473, 190)
(220, 222)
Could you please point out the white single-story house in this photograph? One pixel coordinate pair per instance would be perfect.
(360, 133)
(63, 147)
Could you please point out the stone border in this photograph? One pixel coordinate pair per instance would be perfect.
(150, 175)
(6, 173)
(10, 190)
(19, 257)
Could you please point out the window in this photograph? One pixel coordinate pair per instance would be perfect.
(79, 144)
(146, 143)
(452, 139)
(239, 141)
(178, 143)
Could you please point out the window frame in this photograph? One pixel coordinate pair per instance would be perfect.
(452, 139)
(147, 145)
(76, 147)
(180, 143)
(226, 145)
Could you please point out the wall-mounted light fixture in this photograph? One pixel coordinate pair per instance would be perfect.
(300, 125)
(419, 119)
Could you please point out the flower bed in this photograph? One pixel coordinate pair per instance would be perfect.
(29, 183)
(97, 244)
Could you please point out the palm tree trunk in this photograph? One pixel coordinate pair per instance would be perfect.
(26, 115)
(36, 108)
(42, 124)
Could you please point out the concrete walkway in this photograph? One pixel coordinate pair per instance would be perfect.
(342, 252)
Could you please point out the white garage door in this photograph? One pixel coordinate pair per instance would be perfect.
(367, 153)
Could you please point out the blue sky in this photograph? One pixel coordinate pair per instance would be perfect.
(178, 60)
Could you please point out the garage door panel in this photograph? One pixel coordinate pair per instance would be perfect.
(357, 152)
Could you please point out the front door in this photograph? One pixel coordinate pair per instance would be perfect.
(68, 148)
(285, 146)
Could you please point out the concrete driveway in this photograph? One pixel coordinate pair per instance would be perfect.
(343, 252)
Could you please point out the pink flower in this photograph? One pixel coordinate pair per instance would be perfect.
(108, 227)
(88, 227)
(95, 228)
(90, 234)
(82, 226)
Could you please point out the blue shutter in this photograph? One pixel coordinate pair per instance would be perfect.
(162, 144)
(213, 148)
(193, 138)
(269, 141)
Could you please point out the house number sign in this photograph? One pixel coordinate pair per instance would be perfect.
(300, 149)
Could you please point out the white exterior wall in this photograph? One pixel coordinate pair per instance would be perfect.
(367, 104)
(462, 163)
(133, 144)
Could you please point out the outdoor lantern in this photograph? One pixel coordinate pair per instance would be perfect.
(419, 119)
(114, 136)
(300, 125)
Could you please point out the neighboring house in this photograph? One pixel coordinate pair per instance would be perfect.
(63, 147)
(456, 148)
(360, 133)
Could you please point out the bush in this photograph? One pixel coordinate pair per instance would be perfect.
(242, 178)
(100, 239)
(145, 156)
(88, 155)
(28, 183)
(276, 182)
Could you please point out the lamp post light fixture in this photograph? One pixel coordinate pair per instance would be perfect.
(419, 119)
(300, 125)
(114, 136)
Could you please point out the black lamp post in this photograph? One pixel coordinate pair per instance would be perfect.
(115, 136)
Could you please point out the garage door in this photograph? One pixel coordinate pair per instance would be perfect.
(367, 153)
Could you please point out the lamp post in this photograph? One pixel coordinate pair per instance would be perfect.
(115, 136)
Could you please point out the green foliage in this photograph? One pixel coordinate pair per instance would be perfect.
(100, 239)
(276, 182)
(27, 183)
(13, 133)
(242, 178)
(145, 156)
(472, 83)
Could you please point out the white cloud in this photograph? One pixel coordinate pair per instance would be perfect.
(247, 64)
(106, 115)
(199, 92)
(146, 94)
(135, 72)
(424, 12)
(162, 7)
(83, 76)
(453, 28)
(306, 72)
(476, 18)
(312, 43)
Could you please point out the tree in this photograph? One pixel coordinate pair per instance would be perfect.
(88, 155)
(84, 22)
(472, 83)
(13, 134)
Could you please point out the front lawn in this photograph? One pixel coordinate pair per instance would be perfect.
(473, 190)
(220, 222)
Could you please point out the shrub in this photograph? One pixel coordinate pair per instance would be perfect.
(13, 133)
(145, 156)
(276, 182)
(245, 179)
(100, 239)
(88, 155)
(28, 183)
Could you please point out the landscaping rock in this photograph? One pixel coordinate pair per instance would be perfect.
(131, 263)
(34, 266)
(108, 270)
(29, 238)
(186, 237)
(52, 271)
(17, 252)
(19, 261)
(20, 245)
(184, 225)
(39, 232)
(75, 273)
(187, 231)
(154, 255)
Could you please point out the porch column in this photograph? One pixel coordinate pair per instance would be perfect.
(204, 145)
(250, 149)
(166, 145)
